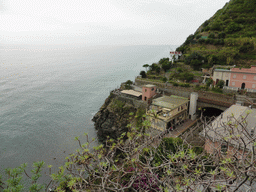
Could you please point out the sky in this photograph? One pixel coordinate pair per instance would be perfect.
(103, 22)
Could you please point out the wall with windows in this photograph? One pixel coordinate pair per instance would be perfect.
(220, 74)
(148, 92)
(243, 78)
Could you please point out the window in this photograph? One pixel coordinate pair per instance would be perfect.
(145, 90)
(152, 89)
(244, 77)
(254, 78)
(234, 76)
(253, 86)
(233, 83)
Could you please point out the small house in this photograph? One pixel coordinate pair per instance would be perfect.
(167, 111)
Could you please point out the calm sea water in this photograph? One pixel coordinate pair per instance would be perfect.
(48, 95)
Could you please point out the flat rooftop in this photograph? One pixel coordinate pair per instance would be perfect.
(132, 92)
(170, 102)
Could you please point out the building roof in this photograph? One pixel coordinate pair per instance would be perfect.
(224, 70)
(132, 92)
(170, 102)
(136, 88)
(219, 128)
(149, 85)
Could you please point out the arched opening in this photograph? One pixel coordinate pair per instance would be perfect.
(211, 112)
(243, 86)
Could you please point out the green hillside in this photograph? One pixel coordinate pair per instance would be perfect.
(227, 38)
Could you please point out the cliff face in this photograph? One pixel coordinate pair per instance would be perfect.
(113, 117)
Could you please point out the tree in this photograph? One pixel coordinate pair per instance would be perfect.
(144, 161)
(166, 66)
(209, 82)
(195, 60)
(153, 67)
(128, 84)
(220, 84)
(146, 66)
(143, 74)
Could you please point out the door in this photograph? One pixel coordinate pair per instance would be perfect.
(243, 86)
(226, 82)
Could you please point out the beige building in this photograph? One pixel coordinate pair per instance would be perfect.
(167, 111)
(221, 74)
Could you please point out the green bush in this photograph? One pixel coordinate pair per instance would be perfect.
(217, 90)
(206, 23)
(198, 36)
(164, 79)
(184, 84)
(220, 84)
(175, 84)
(212, 35)
(195, 60)
(246, 47)
(222, 35)
(179, 69)
(233, 27)
(216, 26)
(201, 41)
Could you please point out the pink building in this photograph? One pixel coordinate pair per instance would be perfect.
(148, 91)
(244, 78)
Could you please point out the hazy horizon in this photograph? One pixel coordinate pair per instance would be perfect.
(112, 22)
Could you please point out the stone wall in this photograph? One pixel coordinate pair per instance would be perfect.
(136, 103)
(186, 91)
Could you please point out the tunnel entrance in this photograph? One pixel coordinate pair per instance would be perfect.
(211, 112)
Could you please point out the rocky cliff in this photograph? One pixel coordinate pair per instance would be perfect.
(113, 117)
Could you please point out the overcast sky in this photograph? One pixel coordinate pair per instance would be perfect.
(103, 22)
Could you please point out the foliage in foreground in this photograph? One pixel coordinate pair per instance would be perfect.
(138, 161)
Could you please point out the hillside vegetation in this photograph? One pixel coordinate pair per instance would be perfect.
(227, 38)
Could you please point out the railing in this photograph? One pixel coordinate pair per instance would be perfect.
(230, 88)
(236, 89)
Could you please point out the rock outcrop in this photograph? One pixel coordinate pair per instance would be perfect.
(112, 118)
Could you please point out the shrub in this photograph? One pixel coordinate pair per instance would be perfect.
(217, 90)
(246, 47)
(212, 35)
(179, 69)
(201, 41)
(222, 35)
(184, 84)
(186, 76)
(198, 36)
(233, 27)
(164, 79)
(220, 84)
(206, 23)
(209, 82)
(189, 39)
(216, 26)
(195, 60)
(175, 84)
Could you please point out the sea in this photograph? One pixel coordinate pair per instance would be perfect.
(49, 94)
